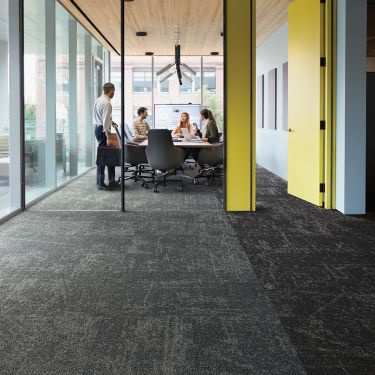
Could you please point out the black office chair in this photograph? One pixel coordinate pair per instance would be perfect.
(211, 161)
(136, 163)
(162, 155)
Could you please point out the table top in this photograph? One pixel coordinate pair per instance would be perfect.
(187, 144)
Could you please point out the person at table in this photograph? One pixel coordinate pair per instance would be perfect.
(209, 131)
(184, 124)
(140, 125)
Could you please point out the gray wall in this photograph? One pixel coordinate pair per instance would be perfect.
(351, 106)
(272, 145)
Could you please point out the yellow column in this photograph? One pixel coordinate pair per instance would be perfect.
(240, 105)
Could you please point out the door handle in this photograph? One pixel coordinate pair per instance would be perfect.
(290, 130)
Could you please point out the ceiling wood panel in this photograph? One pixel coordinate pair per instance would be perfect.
(201, 20)
(271, 15)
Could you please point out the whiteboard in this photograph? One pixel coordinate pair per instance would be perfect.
(167, 116)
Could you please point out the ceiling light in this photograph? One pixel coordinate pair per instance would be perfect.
(149, 53)
(160, 72)
(190, 70)
(187, 77)
(141, 33)
(167, 76)
(215, 53)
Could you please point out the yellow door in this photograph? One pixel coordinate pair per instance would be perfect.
(306, 100)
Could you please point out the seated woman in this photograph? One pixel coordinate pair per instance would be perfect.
(209, 131)
(184, 124)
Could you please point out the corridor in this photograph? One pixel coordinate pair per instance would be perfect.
(176, 286)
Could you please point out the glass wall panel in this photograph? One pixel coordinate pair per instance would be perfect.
(84, 124)
(213, 87)
(138, 88)
(62, 95)
(9, 128)
(35, 99)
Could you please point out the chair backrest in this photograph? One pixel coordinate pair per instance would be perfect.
(128, 134)
(161, 152)
(160, 139)
(212, 156)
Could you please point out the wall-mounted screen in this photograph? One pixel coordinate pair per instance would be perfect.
(167, 116)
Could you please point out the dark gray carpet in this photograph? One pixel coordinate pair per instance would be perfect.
(175, 286)
(167, 290)
(318, 268)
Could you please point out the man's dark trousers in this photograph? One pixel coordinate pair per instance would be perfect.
(102, 142)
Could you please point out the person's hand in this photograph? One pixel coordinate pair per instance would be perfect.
(205, 139)
(114, 125)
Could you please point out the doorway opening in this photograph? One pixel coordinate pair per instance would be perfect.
(173, 70)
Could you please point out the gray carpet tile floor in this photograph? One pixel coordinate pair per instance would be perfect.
(176, 286)
(164, 289)
(318, 269)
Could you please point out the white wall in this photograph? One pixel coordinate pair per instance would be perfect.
(272, 145)
(351, 106)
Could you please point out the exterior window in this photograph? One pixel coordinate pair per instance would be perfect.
(142, 80)
(209, 79)
(163, 88)
(191, 87)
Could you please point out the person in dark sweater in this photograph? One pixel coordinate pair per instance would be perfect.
(209, 131)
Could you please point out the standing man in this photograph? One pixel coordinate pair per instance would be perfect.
(103, 125)
(140, 125)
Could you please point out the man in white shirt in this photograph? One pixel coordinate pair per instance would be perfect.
(103, 125)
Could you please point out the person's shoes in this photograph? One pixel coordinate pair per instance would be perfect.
(114, 186)
(102, 186)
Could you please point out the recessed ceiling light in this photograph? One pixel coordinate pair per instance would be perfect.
(141, 33)
(215, 53)
(149, 53)
(221, 34)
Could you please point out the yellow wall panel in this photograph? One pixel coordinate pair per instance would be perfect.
(240, 101)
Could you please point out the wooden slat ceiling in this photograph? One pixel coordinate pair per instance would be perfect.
(201, 20)
(271, 14)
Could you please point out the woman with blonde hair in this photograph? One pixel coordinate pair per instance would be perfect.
(184, 124)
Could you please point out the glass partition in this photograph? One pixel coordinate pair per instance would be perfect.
(35, 98)
(85, 138)
(63, 114)
(138, 91)
(213, 87)
(9, 125)
(69, 64)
